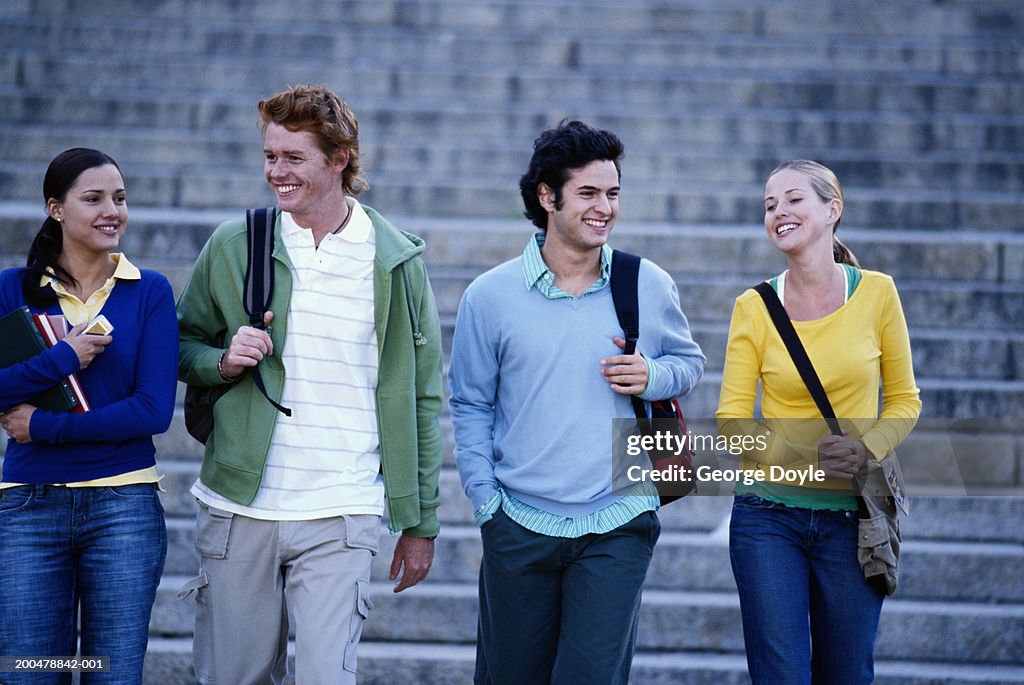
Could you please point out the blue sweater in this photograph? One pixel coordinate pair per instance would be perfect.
(530, 407)
(130, 386)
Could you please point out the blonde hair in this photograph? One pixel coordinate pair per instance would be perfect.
(826, 186)
(321, 112)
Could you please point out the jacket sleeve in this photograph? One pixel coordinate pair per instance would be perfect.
(201, 324)
(148, 410)
(473, 379)
(429, 396)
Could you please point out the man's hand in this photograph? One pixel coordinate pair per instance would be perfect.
(627, 373)
(416, 554)
(841, 457)
(16, 422)
(248, 346)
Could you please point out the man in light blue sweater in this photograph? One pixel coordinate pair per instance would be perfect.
(537, 377)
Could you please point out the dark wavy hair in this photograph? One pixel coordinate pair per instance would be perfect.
(558, 151)
(320, 111)
(46, 247)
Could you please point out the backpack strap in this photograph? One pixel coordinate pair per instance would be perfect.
(259, 279)
(799, 355)
(624, 284)
(259, 273)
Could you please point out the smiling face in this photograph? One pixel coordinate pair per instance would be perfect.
(304, 181)
(795, 216)
(590, 204)
(94, 212)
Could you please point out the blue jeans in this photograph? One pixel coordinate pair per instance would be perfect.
(560, 610)
(808, 614)
(98, 550)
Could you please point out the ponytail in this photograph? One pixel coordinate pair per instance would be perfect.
(42, 261)
(842, 254)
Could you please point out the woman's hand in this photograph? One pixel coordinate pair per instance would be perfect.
(841, 457)
(16, 422)
(86, 346)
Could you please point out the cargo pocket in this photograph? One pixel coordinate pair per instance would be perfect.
(362, 611)
(213, 528)
(203, 647)
(362, 531)
(875, 550)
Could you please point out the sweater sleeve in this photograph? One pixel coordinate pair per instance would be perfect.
(677, 361)
(744, 356)
(148, 410)
(473, 378)
(21, 382)
(901, 403)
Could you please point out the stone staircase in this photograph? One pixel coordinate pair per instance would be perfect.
(917, 104)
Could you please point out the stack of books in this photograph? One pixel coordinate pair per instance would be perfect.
(26, 335)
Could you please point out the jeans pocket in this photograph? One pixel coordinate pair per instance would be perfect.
(362, 531)
(362, 612)
(213, 529)
(134, 490)
(753, 502)
(13, 499)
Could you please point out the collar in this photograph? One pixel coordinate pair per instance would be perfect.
(124, 270)
(536, 271)
(357, 231)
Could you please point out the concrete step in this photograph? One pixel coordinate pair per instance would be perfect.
(497, 196)
(446, 612)
(635, 17)
(169, 238)
(168, 662)
(422, 119)
(976, 53)
(710, 298)
(930, 570)
(141, 149)
(939, 353)
(542, 85)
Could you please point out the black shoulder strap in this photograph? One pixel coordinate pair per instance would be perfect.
(796, 350)
(625, 294)
(259, 273)
(625, 276)
(259, 279)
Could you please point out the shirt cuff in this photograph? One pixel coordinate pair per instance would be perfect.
(487, 509)
(652, 378)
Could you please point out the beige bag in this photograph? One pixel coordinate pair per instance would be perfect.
(882, 496)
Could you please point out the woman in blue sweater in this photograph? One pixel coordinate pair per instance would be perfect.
(81, 525)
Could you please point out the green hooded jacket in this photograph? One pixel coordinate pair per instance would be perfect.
(409, 384)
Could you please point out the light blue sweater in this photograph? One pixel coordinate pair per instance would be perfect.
(530, 407)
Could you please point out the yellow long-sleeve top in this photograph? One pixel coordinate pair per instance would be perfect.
(853, 348)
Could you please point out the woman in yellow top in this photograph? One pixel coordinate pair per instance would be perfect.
(809, 616)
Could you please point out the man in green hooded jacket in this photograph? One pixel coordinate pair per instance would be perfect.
(290, 506)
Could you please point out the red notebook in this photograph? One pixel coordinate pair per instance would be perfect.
(54, 328)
